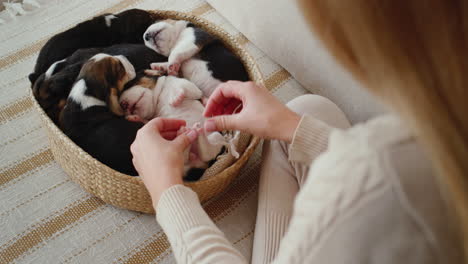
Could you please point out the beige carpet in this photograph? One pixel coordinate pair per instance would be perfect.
(46, 218)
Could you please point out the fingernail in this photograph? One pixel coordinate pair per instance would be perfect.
(210, 125)
(192, 134)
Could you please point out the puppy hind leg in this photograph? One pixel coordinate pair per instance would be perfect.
(208, 146)
(177, 96)
(230, 143)
(191, 90)
(184, 90)
(196, 162)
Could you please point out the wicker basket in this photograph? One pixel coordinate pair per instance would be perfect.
(129, 192)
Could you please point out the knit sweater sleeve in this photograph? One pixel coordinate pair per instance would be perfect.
(192, 234)
(310, 139)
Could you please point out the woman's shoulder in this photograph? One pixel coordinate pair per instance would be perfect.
(376, 177)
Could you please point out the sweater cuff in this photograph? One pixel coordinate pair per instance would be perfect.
(310, 140)
(179, 210)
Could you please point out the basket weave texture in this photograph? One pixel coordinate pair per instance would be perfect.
(129, 192)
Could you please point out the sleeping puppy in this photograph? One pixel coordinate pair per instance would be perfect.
(156, 96)
(88, 117)
(199, 56)
(51, 89)
(101, 31)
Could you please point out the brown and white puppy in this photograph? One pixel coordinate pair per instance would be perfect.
(51, 89)
(156, 97)
(197, 55)
(92, 116)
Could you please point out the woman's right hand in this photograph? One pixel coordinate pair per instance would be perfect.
(257, 111)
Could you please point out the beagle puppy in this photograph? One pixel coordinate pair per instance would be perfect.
(92, 114)
(101, 31)
(51, 89)
(153, 96)
(197, 55)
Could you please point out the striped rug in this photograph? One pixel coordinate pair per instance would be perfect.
(45, 217)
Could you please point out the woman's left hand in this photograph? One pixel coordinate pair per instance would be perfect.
(158, 154)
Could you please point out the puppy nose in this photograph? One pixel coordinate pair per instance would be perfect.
(147, 36)
(124, 105)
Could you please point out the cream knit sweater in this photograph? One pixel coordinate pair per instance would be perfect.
(370, 197)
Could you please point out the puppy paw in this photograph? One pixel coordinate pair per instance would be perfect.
(135, 118)
(166, 67)
(173, 69)
(160, 66)
(154, 73)
(177, 99)
(204, 100)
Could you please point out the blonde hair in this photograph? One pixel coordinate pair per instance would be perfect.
(414, 55)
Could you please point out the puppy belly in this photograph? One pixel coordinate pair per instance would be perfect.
(190, 110)
(197, 71)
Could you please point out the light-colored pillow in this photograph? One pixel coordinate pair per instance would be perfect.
(278, 28)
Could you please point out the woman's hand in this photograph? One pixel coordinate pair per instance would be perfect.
(158, 154)
(260, 114)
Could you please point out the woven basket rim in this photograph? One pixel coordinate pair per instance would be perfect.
(254, 74)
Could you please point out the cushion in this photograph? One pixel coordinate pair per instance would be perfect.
(279, 29)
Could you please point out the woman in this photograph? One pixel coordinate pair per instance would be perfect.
(392, 190)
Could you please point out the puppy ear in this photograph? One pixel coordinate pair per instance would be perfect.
(113, 102)
(33, 77)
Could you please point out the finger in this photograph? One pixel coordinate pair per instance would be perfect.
(233, 106)
(221, 123)
(172, 124)
(135, 164)
(165, 124)
(184, 140)
(169, 135)
(223, 93)
(133, 148)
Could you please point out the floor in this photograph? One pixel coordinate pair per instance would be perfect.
(47, 218)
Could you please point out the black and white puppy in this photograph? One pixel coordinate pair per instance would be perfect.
(199, 56)
(101, 31)
(89, 115)
(51, 89)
